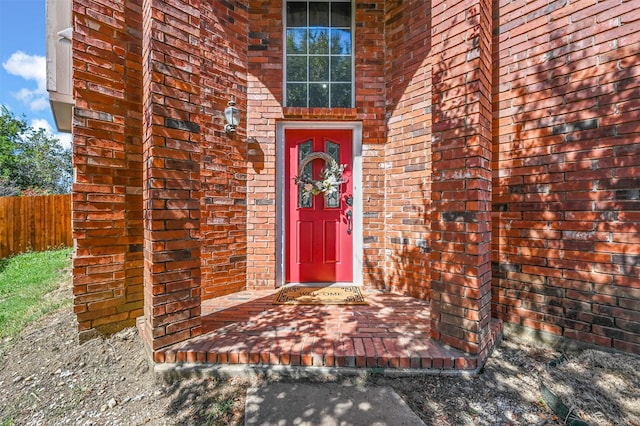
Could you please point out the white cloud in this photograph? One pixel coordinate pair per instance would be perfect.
(24, 95)
(64, 138)
(36, 100)
(41, 123)
(40, 103)
(30, 67)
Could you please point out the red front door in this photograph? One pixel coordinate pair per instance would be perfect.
(319, 228)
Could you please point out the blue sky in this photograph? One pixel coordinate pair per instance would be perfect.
(23, 63)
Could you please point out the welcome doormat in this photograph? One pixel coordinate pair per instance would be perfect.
(303, 295)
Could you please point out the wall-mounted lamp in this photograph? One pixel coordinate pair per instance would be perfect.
(232, 115)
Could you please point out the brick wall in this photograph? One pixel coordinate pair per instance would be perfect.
(107, 155)
(370, 103)
(223, 169)
(264, 97)
(408, 148)
(562, 144)
(461, 188)
(265, 108)
(566, 204)
(172, 123)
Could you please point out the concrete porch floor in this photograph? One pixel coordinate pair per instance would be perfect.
(391, 332)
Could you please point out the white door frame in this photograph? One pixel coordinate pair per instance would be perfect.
(356, 128)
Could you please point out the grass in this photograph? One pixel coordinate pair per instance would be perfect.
(25, 279)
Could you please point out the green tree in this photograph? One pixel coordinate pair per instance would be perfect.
(31, 159)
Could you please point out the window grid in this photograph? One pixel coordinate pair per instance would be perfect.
(336, 63)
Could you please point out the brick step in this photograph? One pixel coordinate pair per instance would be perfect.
(348, 352)
(392, 331)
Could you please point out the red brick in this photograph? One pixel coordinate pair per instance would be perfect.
(561, 138)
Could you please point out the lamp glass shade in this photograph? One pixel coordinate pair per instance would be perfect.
(232, 114)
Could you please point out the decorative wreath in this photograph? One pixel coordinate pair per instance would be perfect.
(331, 176)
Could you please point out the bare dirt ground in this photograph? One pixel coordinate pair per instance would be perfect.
(47, 378)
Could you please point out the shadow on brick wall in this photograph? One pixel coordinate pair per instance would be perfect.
(565, 175)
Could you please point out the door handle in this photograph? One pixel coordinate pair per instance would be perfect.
(349, 214)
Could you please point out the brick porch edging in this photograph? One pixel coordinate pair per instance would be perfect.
(246, 330)
(170, 372)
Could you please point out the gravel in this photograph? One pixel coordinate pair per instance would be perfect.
(47, 378)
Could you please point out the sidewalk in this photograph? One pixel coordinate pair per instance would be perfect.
(326, 404)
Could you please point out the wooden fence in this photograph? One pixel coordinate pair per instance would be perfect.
(34, 223)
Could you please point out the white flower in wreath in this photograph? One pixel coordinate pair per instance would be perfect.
(331, 180)
(331, 177)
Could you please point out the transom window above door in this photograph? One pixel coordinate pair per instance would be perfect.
(319, 54)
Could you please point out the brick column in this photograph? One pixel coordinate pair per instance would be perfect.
(461, 275)
(171, 106)
(107, 156)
